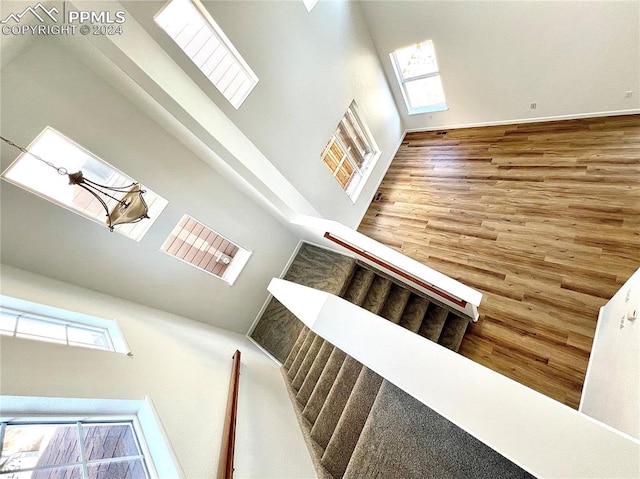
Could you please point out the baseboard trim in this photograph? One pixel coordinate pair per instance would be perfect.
(266, 302)
(518, 121)
(267, 353)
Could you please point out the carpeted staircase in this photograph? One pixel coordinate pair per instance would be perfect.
(406, 307)
(356, 424)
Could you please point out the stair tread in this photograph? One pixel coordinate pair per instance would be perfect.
(308, 360)
(377, 294)
(453, 332)
(302, 353)
(404, 438)
(324, 384)
(336, 400)
(345, 437)
(433, 322)
(359, 285)
(414, 313)
(395, 303)
(296, 347)
(314, 373)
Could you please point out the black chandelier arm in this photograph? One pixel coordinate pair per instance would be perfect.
(120, 189)
(90, 190)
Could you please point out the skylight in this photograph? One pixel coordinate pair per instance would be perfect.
(38, 178)
(188, 23)
(200, 246)
(419, 78)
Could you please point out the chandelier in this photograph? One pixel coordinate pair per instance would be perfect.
(129, 208)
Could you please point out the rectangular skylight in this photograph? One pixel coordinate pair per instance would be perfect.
(200, 246)
(37, 177)
(417, 71)
(188, 23)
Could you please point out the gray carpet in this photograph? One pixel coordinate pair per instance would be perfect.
(278, 329)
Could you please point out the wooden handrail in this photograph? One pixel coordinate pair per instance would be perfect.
(225, 464)
(395, 270)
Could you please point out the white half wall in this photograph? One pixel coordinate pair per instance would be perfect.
(611, 390)
(541, 435)
(572, 58)
(183, 366)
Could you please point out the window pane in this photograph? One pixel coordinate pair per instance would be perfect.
(69, 472)
(416, 60)
(354, 139)
(333, 156)
(133, 469)
(39, 445)
(87, 337)
(344, 174)
(425, 93)
(7, 323)
(35, 327)
(106, 441)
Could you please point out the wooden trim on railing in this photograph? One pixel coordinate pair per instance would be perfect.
(225, 465)
(395, 270)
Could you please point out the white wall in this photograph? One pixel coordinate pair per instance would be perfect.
(611, 391)
(183, 365)
(45, 85)
(311, 66)
(571, 57)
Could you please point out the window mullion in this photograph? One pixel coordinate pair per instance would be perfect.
(83, 454)
(347, 156)
(3, 426)
(420, 77)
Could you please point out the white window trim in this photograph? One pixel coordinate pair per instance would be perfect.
(354, 190)
(222, 37)
(235, 268)
(153, 440)
(46, 312)
(402, 81)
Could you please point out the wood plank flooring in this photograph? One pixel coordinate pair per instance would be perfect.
(543, 218)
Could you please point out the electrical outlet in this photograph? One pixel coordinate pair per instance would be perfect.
(628, 94)
(533, 106)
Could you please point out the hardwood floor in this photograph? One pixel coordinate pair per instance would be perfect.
(543, 218)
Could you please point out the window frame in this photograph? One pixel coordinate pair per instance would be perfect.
(155, 208)
(353, 189)
(49, 314)
(234, 268)
(224, 41)
(403, 81)
(160, 453)
(84, 461)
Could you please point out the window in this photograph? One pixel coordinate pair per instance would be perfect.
(417, 71)
(309, 4)
(200, 246)
(38, 178)
(23, 319)
(350, 153)
(73, 450)
(188, 23)
(141, 443)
